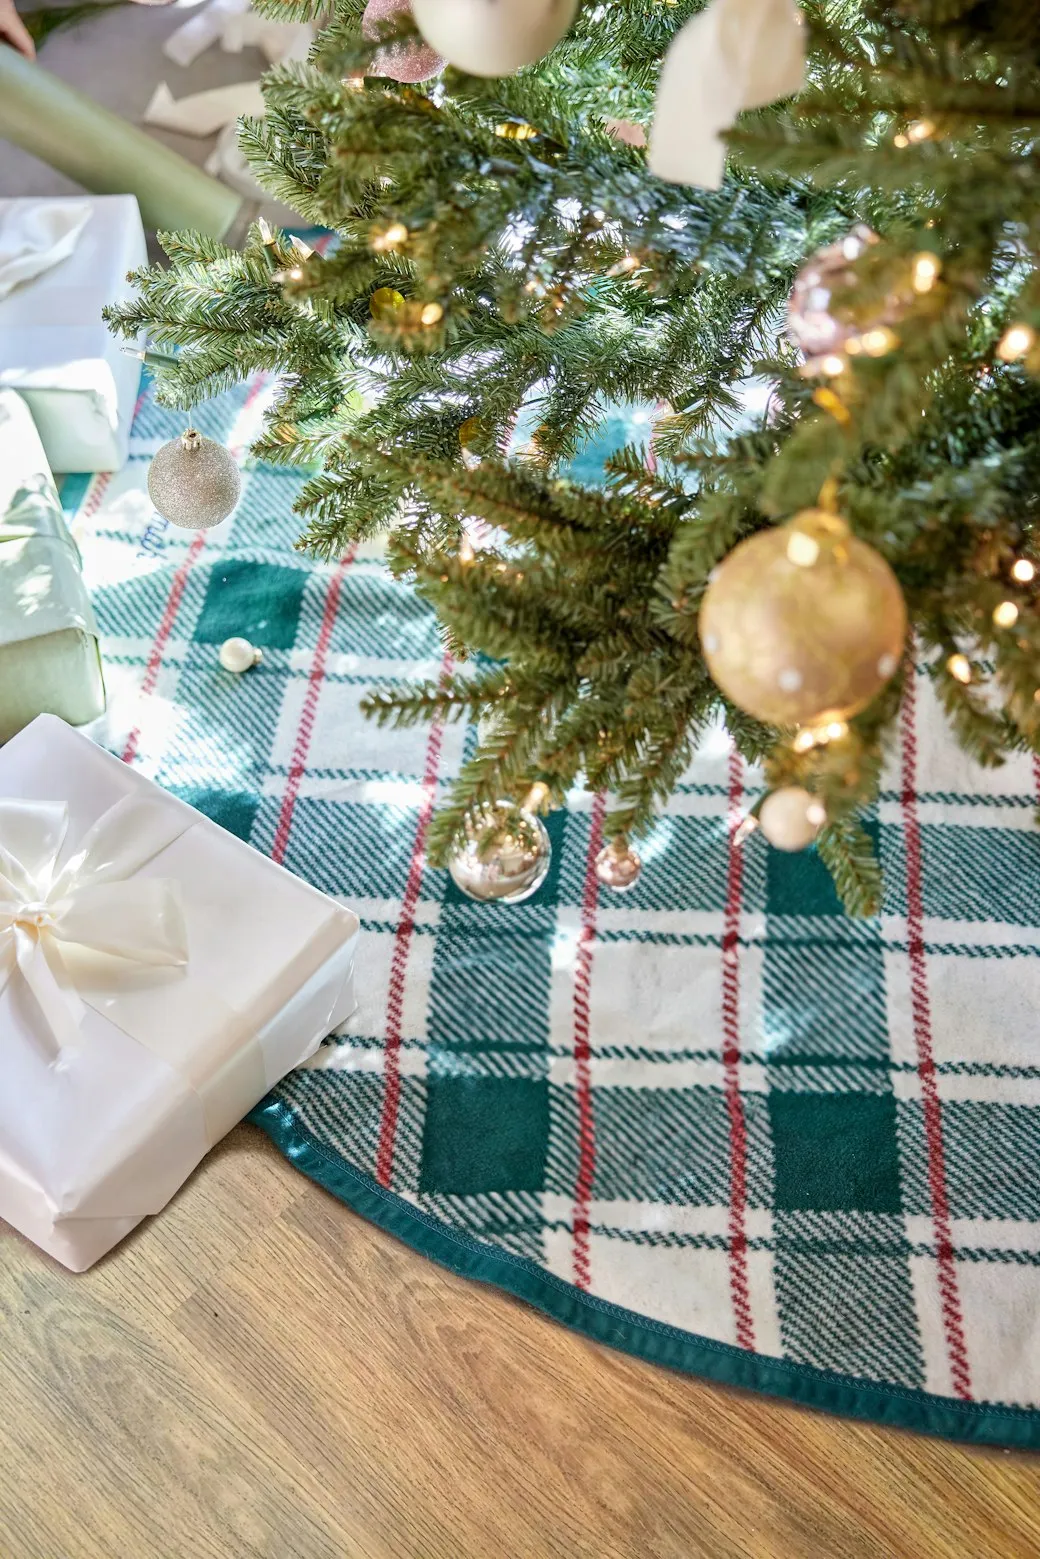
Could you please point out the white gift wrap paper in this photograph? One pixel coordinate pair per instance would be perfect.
(99, 1132)
(57, 351)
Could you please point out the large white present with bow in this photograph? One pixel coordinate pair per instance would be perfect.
(157, 977)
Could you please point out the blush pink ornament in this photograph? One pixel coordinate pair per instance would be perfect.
(626, 130)
(407, 61)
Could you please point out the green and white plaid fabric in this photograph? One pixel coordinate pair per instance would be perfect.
(712, 1122)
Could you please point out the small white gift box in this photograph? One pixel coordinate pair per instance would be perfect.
(57, 351)
(158, 978)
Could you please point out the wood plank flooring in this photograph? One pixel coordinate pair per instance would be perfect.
(261, 1373)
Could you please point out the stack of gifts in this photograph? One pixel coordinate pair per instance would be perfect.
(61, 261)
(157, 978)
(49, 660)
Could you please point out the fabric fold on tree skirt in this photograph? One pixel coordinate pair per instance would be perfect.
(711, 1122)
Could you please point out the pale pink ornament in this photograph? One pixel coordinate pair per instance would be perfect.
(406, 62)
(618, 866)
(626, 130)
(813, 324)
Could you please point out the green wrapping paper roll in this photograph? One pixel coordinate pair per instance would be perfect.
(106, 155)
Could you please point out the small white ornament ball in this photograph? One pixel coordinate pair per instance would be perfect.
(407, 62)
(791, 818)
(239, 655)
(193, 481)
(493, 37)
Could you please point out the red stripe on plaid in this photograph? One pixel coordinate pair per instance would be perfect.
(97, 490)
(305, 729)
(949, 1296)
(740, 1292)
(101, 483)
(162, 637)
(582, 1053)
(402, 947)
(180, 580)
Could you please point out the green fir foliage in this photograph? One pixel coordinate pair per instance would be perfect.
(497, 249)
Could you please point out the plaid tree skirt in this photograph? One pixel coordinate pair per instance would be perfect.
(713, 1122)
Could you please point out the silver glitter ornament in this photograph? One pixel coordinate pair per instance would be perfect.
(618, 866)
(505, 858)
(194, 481)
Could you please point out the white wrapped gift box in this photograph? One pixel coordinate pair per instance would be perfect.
(159, 977)
(58, 353)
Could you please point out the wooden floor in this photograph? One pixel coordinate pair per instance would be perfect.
(259, 1372)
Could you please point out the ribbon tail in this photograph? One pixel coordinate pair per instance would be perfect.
(44, 973)
(141, 920)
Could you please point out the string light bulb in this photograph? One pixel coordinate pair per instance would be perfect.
(832, 365)
(1023, 571)
(745, 828)
(390, 238)
(920, 130)
(536, 797)
(1005, 615)
(1016, 341)
(432, 314)
(879, 341)
(959, 667)
(925, 271)
(804, 740)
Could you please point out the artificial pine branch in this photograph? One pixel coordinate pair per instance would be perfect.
(504, 268)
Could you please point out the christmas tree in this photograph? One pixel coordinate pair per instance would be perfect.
(505, 259)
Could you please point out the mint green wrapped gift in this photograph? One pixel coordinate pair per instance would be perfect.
(49, 659)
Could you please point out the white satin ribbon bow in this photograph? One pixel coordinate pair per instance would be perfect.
(95, 901)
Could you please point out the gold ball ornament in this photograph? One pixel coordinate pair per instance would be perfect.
(803, 623)
(385, 303)
(791, 818)
(505, 858)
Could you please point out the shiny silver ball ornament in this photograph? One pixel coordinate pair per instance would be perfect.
(194, 481)
(505, 858)
(618, 866)
(239, 655)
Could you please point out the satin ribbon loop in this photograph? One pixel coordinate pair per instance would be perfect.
(94, 902)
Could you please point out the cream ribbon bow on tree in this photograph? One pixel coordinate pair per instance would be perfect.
(95, 902)
(735, 54)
